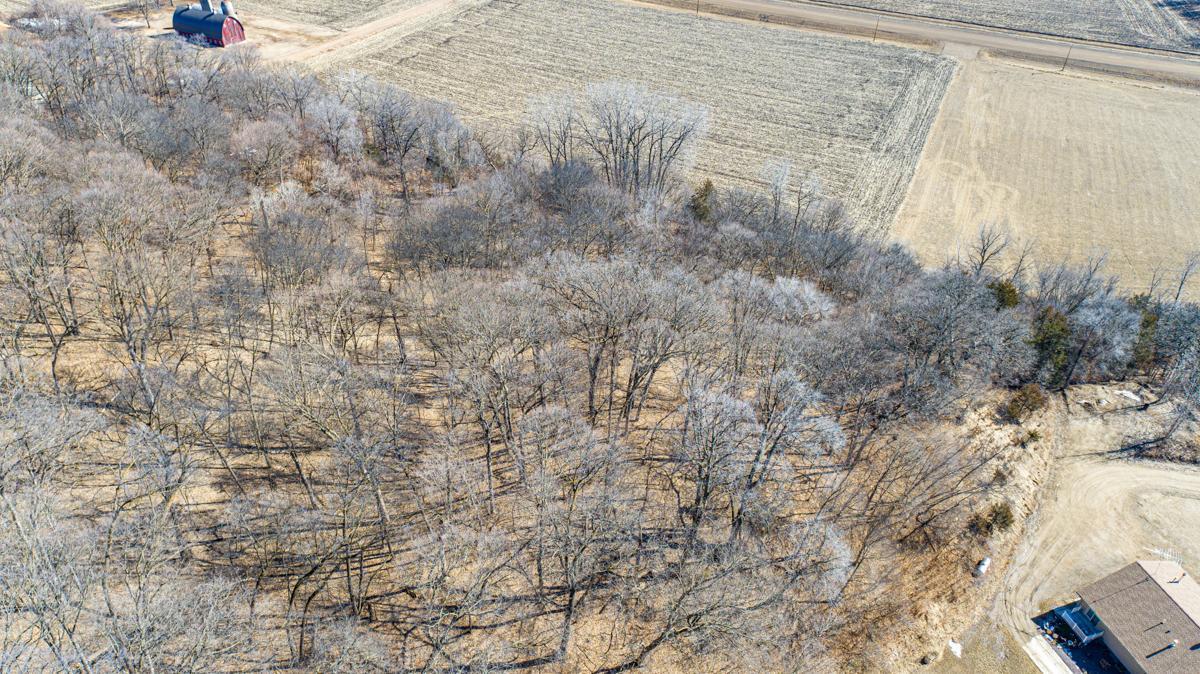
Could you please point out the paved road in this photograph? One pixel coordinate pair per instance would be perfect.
(866, 22)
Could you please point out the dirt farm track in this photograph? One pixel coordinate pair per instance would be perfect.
(1097, 512)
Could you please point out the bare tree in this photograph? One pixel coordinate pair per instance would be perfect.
(395, 126)
(266, 149)
(552, 121)
(146, 8)
(336, 126)
(640, 140)
(346, 647)
(352, 387)
(41, 267)
(990, 244)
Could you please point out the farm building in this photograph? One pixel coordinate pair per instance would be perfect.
(1148, 614)
(220, 27)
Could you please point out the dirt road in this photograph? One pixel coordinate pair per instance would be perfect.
(1100, 514)
(1028, 45)
(347, 43)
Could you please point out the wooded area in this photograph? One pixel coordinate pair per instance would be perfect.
(304, 374)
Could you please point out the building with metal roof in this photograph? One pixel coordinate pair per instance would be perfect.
(1149, 614)
(220, 27)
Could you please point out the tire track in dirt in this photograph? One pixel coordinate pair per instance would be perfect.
(1099, 513)
(351, 41)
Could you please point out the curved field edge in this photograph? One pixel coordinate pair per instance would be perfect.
(851, 114)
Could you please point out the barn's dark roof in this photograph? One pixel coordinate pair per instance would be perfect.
(206, 23)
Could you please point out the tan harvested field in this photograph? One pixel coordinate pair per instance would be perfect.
(1076, 164)
(852, 113)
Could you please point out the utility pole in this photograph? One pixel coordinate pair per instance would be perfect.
(1065, 60)
(876, 30)
(697, 7)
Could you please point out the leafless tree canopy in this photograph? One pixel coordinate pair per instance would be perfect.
(305, 375)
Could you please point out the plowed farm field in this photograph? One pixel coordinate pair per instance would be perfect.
(852, 114)
(1077, 166)
(1161, 24)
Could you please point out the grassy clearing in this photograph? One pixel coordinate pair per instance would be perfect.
(852, 114)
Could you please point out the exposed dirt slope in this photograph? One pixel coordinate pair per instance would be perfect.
(1099, 512)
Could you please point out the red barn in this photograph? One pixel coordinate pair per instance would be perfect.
(220, 28)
